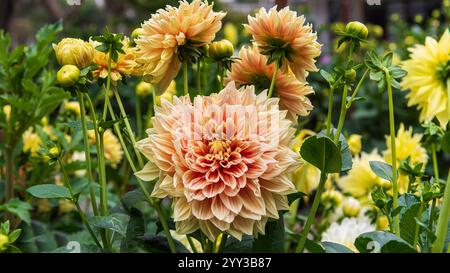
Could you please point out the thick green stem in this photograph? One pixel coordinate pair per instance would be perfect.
(396, 227)
(75, 201)
(312, 213)
(442, 223)
(342, 114)
(162, 217)
(435, 162)
(103, 188)
(185, 79)
(139, 117)
(87, 153)
(199, 80)
(128, 127)
(274, 77)
(330, 110)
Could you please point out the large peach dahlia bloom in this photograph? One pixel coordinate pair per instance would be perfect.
(251, 69)
(284, 29)
(221, 175)
(191, 25)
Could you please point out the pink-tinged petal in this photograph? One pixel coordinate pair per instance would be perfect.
(219, 210)
(212, 190)
(234, 204)
(252, 202)
(202, 210)
(244, 225)
(212, 176)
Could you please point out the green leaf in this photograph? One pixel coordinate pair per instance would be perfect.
(13, 236)
(49, 191)
(410, 205)
(19, 208)
(135, 229)
(321, 152)
(233, 245)
(294, 196)
(382, 242)
(382, 170)
(116, 222)
(331, 247)
(273, 240)
(314, 247)
(132, 198)
(327, 76)
(76, 125)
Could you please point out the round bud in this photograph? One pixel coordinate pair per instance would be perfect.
(68, 75)
(221, 50)
(332, 196)
(351, 207)
(4, 241)
(75, 52)
(143, 89)
(350, 75)
(54, 152)
(358, 29)
(135, 34)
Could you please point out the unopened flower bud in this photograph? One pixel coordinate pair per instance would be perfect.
(382, 223)
(75, 52)
(135, 34)
(221, 50)
(68, 75)
(351, 207)
(143, 89)
(4, 241)
(7, 111)
(350, 75)
(54, 152)
(358, 29)
(332, 196)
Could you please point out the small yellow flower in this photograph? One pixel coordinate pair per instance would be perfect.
(230, 33)
(7, 111)
(382, 222)
(143, 89)
(333, 196)
(73, 107)
(354, 143)
(31, 142)
(351, 207)
(74, 52)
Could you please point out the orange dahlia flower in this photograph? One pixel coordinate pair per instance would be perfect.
(225, 170)
(251, 69)
(284, 31)
(170, 35)
(125, 64)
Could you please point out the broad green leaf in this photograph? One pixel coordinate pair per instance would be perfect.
(446, 142)
(331, 247)
(313, 247)
(49, 191)
(382, 242)
(273, 240)
(409, 204)
(19, 208)
(294, 196)
(382, 170)
(132, 198)
(245, 245)
(116, 222)
(321, 152)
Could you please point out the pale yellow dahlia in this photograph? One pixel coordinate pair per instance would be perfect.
(285, 30)
(251, 69)
(113, 150)
(223, 173)
(360, 180)
(407, 145)
(428, 78)
(31, 142)
(125, 64)
(170, 35)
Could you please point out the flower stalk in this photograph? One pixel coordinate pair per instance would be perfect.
(442, 223)
(274, 77)
(185, 79)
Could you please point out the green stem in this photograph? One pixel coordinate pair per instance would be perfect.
(128, 127)
(73, 199)
(223, 242)
(274, 77)
(185, 79)
(139, 117)
(355, 92)
(312, 213)
(442, 224)
(435, 162)
(330, 110)
(9, 187)
(108, 86)
(342, 114)
(396, 227)
(103, 188)
(87, 153)
(192, 244)
(166, 229)
(199, 80)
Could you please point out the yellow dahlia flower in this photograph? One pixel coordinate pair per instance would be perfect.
(173, 34)
(31, 142)
(251, 69)
(428, 79)
(125, 64)
(361, 179)
(284, 30)
(113, 150)
(74, 51)
(222, 174)
(407, 145)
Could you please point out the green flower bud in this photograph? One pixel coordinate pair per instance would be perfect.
(351, 207)
(75, 52)
(54, 152)
(68, 75)
(221, 50)
(358, 29)
(350, 75)
(4, 241)
(135, 34)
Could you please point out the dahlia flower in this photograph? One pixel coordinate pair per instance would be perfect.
(360, 180)
(284, 31)
(113, 150)
(170, 35)
(428, 78)
(73, 107)
(31, 142)
(224, 160)
(74, 51)
(251, 69)
(347, 231)
(125, 64)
